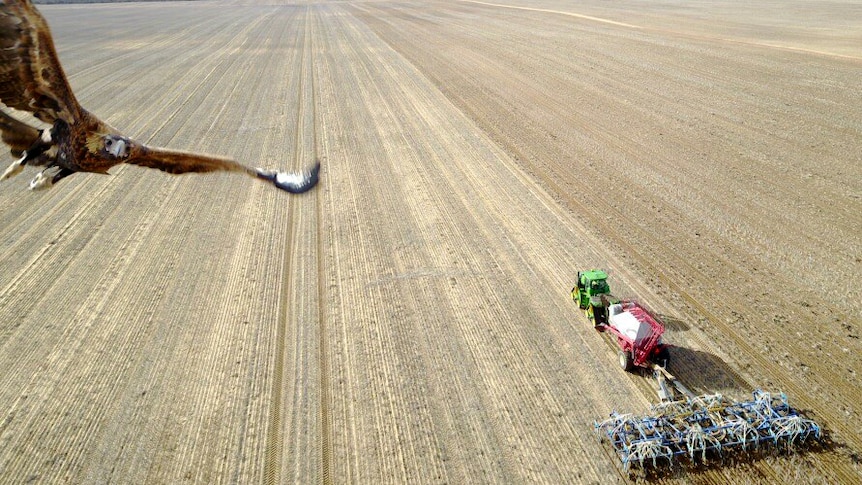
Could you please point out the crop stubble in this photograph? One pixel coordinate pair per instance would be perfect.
(410, 319)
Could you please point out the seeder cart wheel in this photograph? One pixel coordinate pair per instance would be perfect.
(663, 358)
(626, 360)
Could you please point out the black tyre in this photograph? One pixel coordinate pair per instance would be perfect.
(663, 357)
(627, 362)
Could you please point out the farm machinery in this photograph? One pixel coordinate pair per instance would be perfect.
(682, 425)
(700, 426)
(638, 332)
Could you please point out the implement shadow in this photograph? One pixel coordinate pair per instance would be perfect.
(704, 373)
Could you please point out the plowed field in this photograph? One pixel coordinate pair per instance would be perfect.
(409, 320)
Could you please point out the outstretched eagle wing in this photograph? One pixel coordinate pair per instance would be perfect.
(31, 78)
(179, 162)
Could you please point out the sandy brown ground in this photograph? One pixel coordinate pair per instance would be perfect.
(409, 321)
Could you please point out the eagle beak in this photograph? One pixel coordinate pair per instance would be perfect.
(118, 149)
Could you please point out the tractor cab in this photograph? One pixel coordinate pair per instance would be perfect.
(593, 295)
(599, 287)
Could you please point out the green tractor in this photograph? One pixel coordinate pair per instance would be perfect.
(593, 295)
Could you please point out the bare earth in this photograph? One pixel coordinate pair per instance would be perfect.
(410, 320)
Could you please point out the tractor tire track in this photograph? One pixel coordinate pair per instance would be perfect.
(290, 454)
(326, 454)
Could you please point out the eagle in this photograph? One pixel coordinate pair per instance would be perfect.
(73, 139)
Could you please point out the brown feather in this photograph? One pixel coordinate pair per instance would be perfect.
(31, 78)
(17, 134)
(177, 161)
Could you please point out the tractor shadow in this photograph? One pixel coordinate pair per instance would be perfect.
(704, 373)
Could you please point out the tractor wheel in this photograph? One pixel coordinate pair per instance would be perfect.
(626, 361)
(663, 358)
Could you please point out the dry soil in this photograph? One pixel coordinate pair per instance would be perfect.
(410, 319)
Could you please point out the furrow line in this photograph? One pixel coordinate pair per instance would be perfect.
(154, 50)
(363, 315)
(281, 452)
(392, 418)
(321, 297)
(221, 57)
(39, 257)
(80, 329)
(346, 255)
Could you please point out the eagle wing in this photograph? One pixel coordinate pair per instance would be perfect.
(31, 78)
(16, 133)
(179, 162)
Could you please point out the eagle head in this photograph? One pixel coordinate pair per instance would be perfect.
(115, 146)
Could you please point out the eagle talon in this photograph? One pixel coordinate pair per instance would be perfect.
(41, 181)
